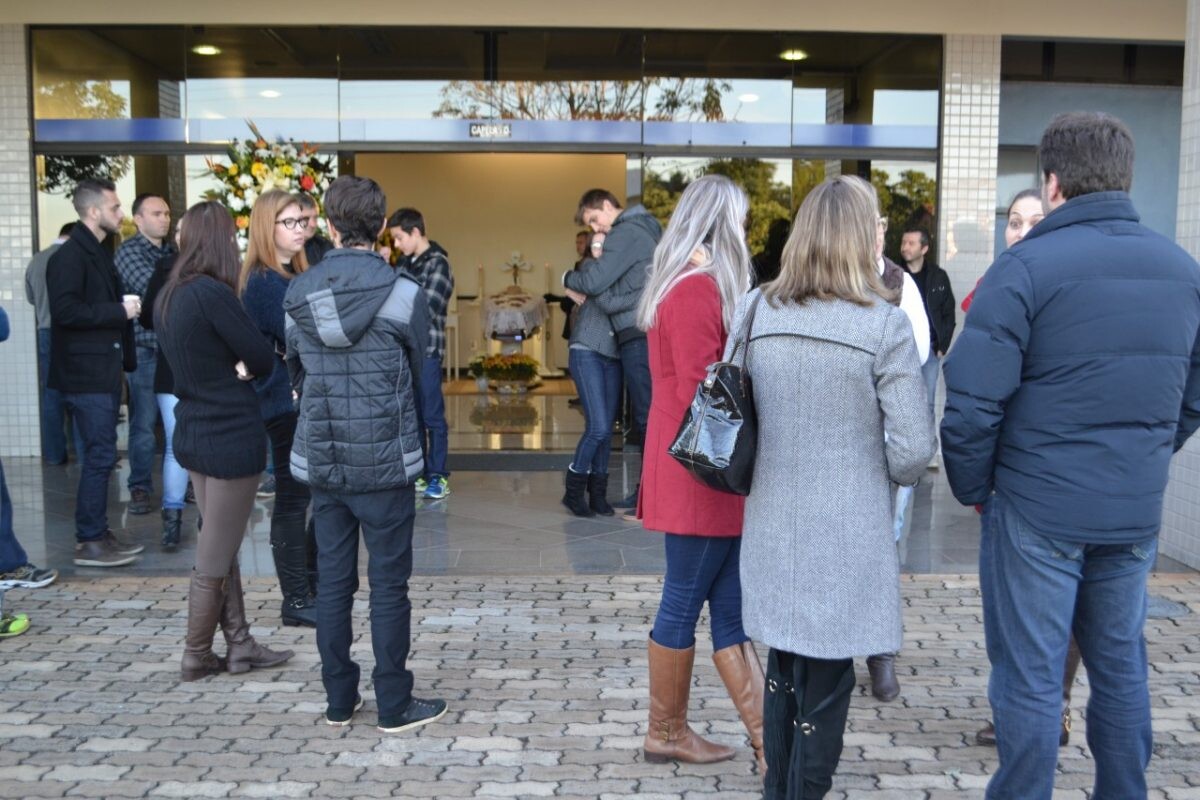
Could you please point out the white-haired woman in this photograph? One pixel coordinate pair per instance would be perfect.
(834, 368)
(700, 269)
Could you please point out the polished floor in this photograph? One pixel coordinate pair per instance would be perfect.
(492, 523)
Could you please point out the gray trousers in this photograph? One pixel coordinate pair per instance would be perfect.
(225, 507)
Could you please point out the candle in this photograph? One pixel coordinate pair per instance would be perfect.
(482, 293)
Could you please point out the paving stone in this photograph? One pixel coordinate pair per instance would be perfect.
(548, 689)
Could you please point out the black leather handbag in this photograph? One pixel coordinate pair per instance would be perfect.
(718, 439)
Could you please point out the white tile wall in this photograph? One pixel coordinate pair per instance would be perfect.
(19, 429)
(970, 135)
(1181, 512)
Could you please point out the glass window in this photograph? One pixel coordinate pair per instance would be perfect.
(908, 198)
(282, 79)
(717, 89)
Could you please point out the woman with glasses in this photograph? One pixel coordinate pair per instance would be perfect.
(274, 256)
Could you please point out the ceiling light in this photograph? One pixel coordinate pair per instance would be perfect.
(269, 93)
(206, 50)
(748, 98)
(793, 54)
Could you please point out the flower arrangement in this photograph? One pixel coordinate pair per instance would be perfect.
(515, 265)
(515, 367)
(257, 166)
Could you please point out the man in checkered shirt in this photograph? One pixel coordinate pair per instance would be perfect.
(135, 262)
(426, 261)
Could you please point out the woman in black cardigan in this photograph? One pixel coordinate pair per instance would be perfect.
(214, 350)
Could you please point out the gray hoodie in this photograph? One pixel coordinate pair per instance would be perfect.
(356, 336)
(616, 279)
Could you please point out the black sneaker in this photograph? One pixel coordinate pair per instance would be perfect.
(140, 502)
(340, 717)
(267, 487)
(419, 712)
(27, 576)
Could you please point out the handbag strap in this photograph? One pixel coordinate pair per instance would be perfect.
(743, 340)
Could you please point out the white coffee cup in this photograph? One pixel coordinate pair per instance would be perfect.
(125, 298)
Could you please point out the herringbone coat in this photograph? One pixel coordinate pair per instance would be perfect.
(819, 568)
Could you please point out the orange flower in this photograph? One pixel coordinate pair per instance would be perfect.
(243, 222)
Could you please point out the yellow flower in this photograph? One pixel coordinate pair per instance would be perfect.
(287, 169)
(258, 170)
(233, 169)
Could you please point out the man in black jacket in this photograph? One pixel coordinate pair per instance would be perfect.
(91, 341)
(938, 299)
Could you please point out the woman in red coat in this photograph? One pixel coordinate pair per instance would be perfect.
(700, 269)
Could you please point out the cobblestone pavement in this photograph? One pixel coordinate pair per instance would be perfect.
(546, 680)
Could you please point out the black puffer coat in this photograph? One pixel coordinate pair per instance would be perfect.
(356, 337)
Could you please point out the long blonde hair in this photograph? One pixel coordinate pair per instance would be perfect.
(830, 253)
(709, 218)
(261, 252)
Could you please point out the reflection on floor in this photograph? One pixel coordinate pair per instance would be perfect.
(492, 523)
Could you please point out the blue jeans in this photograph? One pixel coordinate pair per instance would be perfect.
(175, 477)
(431, 406)
(95, 417)
(929, 371)
(143, 411)
(386, 520)
(904, 499)
(12, 555)
(700, 568)
(1036, 590)
(598, 381)
(54, 437)
(635, 366)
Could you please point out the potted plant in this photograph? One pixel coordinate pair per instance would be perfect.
(511, 372)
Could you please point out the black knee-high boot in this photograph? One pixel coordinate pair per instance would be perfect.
(805, 712)
(290, 550)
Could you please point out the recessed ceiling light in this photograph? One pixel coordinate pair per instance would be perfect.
(206, 50)
(793, 54)
(269, 93)
(748, 98)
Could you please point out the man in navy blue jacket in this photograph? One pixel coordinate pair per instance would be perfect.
(1075, 379)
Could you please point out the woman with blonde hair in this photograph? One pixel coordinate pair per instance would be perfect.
(700, 269)
(841, 416)
(274, 256)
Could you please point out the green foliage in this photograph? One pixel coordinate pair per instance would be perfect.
(79, 100)
(770, 199)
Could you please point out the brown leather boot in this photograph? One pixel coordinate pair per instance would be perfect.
(244, 652)
(205, 598)
(670, 738)
(884, 684)
(742, 673)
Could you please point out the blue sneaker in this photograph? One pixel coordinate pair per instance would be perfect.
(438, 488)
(421, 485)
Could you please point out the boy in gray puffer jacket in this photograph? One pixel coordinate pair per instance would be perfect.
(356, 335)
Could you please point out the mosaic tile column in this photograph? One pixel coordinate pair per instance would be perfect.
(969, 140)
(835, 114)
(1180, 537)
(19, 428)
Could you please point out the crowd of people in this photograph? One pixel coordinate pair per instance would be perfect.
(1075, 378)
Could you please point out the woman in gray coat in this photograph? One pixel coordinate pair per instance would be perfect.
(841, 415)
